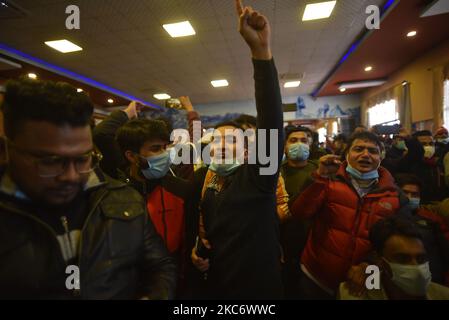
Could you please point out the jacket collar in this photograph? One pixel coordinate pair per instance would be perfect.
(10, 188)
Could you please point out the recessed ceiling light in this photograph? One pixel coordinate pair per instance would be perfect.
(368, 68)
(32, 75)
(362, 84)
(411, 34)
(63, 46)
(320, 10)
(342, 89)
(79, 90)
(161, 96)
(292, 84)
(219, 83)
(110, 101)
(180, 29)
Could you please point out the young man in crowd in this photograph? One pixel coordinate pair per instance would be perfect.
(442, 152)
(434, 229)
(395, 154)
(58, 211)
(297, 169)
(143, 143)
(441, 142)
(428, 170)
(339, 145)
(345, 200)
(403, 264)
(297, 172)
(238, 207)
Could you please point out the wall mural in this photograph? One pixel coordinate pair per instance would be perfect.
(178, 118)
(319, 109)
(305, 107)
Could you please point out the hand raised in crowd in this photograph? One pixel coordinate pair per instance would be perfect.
(133, 109)
(329, 165)
(186, 103)
(255, 29)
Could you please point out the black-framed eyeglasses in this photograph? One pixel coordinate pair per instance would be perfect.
(54, 166)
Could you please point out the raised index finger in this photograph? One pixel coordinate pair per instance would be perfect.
(239, 7)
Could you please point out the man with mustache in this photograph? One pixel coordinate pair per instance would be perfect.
(345, 200)
(59, 213)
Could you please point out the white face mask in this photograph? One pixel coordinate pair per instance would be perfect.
(429, 151)
(412, 279)
(443, 140)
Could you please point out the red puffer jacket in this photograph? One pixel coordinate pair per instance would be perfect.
(341, 222)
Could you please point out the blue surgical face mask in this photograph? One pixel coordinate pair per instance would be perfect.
(401, 145)
(362, 176)
(413, 203)
(158, 166)
(298, 151)
(223, 169)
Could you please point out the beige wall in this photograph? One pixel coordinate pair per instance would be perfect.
(420, 75)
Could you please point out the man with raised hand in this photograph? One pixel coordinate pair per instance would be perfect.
(345, 200)
(240, 228)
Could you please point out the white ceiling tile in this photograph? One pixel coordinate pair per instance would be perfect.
(126, 47)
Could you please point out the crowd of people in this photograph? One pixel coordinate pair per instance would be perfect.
(108, 200)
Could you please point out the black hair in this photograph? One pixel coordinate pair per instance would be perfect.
(229, 124)
(395, 225)
(415, 150)
(291, 129)
(246, 119)
(341, 137)
(167, 122)
(365, 136)
(403, 179)
(133, 135)
(33, 100)
(236, 125)
(422, 133)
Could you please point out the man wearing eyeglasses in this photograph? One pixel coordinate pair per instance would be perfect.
(57, 210)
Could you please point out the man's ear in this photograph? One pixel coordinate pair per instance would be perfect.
(382, 152)
(131, 157)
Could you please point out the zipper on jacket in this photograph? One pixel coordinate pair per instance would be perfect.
(357, 218)
(77, 292)
(71, 252)
(164, 222)
(65, 225)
